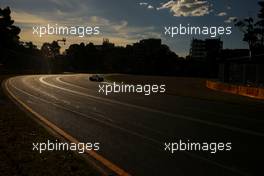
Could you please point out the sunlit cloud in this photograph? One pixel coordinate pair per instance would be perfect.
(230, 19)
(147, 5)
(27, 18)
(150, 7)
(143, 4)
(187, 7)
(222, 14)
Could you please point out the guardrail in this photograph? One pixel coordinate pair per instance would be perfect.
(253, 92)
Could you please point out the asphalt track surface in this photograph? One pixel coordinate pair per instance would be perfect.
(132, 129)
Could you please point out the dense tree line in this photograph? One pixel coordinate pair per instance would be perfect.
(148, 56)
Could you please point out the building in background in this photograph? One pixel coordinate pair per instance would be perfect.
(198, 50)
(205, 50)
(203, 56)
(238, 67)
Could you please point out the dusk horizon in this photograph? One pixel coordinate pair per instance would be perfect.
(130, 27)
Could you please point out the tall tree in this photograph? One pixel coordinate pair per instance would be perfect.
(260, 23)
(8, 32)
(9, 38)
(247, 26)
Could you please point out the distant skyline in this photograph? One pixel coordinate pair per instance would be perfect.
(128, 21)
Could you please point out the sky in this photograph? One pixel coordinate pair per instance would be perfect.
(128, 21)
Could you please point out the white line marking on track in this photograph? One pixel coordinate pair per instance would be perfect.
(70, 138)
(133, 133)
(228, 127)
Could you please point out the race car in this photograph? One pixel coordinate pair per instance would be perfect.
(96, 78)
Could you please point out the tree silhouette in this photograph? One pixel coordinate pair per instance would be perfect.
(247, 26)
(51, 50)
(260, 23)
(30, 45)
(148, 56)
(8, 32)
(9, 38)
(253, 31)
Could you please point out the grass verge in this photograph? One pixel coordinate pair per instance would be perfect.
(17, 134)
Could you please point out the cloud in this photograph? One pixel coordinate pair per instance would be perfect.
(150, 7)
(96, 21)
(222, 14)
(122, 25)
(21, 17)
(230, 19)
(187, 7)
(143, 4)
(127, 32)
(146, 5)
